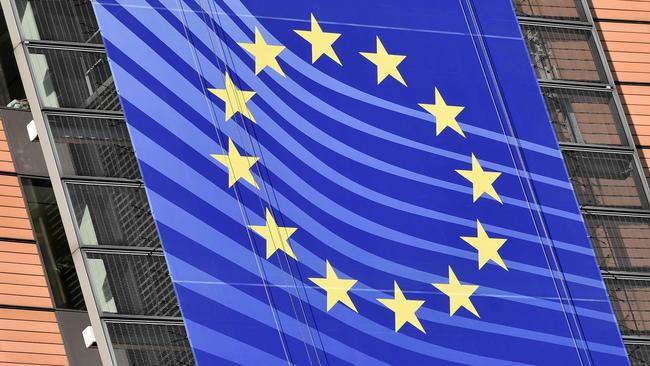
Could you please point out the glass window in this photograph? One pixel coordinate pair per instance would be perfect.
(584, 116)
(605, 179)
(113, 215)
(621, 242)
(631, 303)
(556, 9)
(132, 284)
(11, 87)
(149, 344)
(27, 155)
(73, 79)
(563, 54)
(46, 221)
(98, 147)
(639, 353)
(58, 20)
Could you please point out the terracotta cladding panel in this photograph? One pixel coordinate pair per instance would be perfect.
(636, 102)
(633, 10)
(29, 337)
(14, 221)
(22, 281)
(628, 48)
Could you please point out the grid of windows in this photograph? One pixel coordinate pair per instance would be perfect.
(557, 9)
(109, 215)
(631, 302)
(58, 20)
(94, 147)
(132, 284)
(72, 78)
(115, 230)
(639, 353)
(584, 116)
(560, 53)
(599, 153)
(605, 179)
(149, 344)
(620, 241)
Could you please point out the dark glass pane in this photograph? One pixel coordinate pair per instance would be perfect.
(58, 20)
(73, 79)
(11, 87)
(639, 353)
(27, 155)
(132, 284)
(98, 147)
(113, 215)
(563, 54)
(53, 244)
(150, 344)
(556, 9)
(583, 116)
(621, 242)
(631, 302)
(605, 179)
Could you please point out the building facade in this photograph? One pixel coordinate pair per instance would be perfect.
(77, 234)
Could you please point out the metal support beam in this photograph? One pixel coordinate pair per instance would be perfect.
(21, 54)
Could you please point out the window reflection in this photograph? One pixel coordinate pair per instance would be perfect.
(584, 116)
(73, 79)
(53, 244)
(58, 20)
(98, 147)
(113, 215)
(132, 284)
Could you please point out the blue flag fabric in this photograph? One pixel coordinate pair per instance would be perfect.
(357, 182)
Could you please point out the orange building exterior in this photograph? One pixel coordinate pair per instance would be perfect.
(624, 28)
(29, 333)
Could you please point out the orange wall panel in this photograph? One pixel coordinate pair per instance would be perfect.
(632, 10)
(636, 102)
(628, 50)
(29, 337)
(14, 221)
(22, 281)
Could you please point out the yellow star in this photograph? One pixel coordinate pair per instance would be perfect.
(238, 166)
(336, 288)
(385, 62)
(235, 99)
(404, 309)
(458, 294)
(264, 53)
(277, 237)
(488, 248)
(482, 181)
(445, 114)
(321, 42)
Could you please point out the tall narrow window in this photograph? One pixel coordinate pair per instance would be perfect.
(51, 238)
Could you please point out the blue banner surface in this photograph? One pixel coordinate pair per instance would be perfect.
(357, 182)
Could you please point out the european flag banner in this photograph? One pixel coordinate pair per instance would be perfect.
(357, 182)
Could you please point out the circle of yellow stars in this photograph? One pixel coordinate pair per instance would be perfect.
(277, 237)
